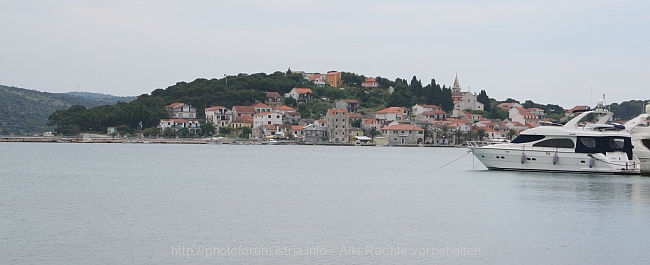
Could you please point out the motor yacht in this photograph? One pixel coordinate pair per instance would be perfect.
(585, 144)
(640, 134)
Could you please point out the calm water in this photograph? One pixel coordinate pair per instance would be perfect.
(225, 204)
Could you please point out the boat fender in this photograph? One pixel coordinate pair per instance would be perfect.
(555, 158)
(591, 162)
(523, 158)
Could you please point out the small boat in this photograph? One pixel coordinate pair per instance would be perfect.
(574, 147)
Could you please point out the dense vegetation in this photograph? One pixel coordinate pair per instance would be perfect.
(24, 111)
(245, 89)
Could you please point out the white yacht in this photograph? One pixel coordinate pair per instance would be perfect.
(641, 139)
(574, 147)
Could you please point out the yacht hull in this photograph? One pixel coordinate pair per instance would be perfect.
(554, 161)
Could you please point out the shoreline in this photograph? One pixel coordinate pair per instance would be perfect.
(135, 140)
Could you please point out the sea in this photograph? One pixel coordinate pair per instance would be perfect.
(69, 203)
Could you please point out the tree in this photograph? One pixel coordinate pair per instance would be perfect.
(483, 98)
(245, 132)
(207, 128)
(151, 131)
(481, 134)
(373, 132)
(511, 134)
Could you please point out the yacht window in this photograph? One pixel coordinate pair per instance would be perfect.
(616, 143)
(527, 138)
(557, 143)
(588, 142)
(646, 142)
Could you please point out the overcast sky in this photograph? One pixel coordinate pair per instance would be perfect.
(551, 51)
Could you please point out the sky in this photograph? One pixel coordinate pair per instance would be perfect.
(551, 52)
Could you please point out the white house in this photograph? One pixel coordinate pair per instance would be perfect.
(181, 111)
(266, 118)
(301, 95)
(401, 134)
(418, 109)
(393, 114)
(219, 116)
(179, 124)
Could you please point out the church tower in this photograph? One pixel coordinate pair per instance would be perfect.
(456, 94)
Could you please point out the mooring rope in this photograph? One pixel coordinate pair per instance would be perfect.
(452, 161)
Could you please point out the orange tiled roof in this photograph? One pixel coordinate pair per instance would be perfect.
(272, 94)
(175, 104)
(398, 110)
(261, 105)
(403, 127)
(303, 90)
(214, 108)
(244, 109)
(284, 107)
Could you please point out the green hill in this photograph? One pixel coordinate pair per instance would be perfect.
(24, 111)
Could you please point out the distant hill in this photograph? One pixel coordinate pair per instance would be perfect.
(25, 111)
(103, 99)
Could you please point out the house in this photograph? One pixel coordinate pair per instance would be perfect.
(315, 133)
(463, 100)
(298, 132)
(333, 78)
(292, 117)
(524, 116)
(266, 118)
(403, 134)
(317, 79)
(509, 105)
(577, 109)
(261, 107)
(301, 95)
(219, 116)
(368, 124)
(239, 111)
(370, 82)
(393, 114)
(242, 121)
(181, 111)
(177, 124)
(435, 115)
(273, 99)
(284, 109)
(289, 114)
(350, 105)
(422, 108)
(337, 125)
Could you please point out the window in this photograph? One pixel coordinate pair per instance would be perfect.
(556, 143)
(646, 142)
(588, 142)
(527, 138)
(616, 143)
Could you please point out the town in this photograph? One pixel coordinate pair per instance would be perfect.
(419, 124)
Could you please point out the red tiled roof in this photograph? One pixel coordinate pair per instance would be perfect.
(403, 127)
(261, 105)
(175, 104)
(244, 109)
(214, 108)
(303, 90)
(272, 94)
(244, 119)
(398, 110)
(284, 107)
(334, 111)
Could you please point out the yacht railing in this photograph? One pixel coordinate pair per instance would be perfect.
(482, 143)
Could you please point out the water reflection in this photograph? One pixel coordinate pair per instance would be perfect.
(599, 189)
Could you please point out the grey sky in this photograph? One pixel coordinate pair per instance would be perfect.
(562, 52)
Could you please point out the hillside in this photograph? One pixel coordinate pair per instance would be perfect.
(24, 111)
